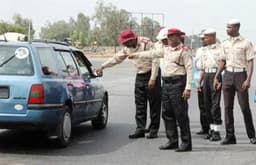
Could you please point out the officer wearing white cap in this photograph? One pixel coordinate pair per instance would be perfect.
(204, 115)
(209, 62)
(237, 59)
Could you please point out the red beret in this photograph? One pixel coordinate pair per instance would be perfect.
(126, 35)
(175, 31)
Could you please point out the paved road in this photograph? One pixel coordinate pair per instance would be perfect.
(112, 146)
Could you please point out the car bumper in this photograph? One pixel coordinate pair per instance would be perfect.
(33, 118)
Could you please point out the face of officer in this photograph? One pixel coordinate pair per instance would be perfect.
(165, 41)
(210, 39)
(131, 43)
(203, 41)
(233, 30)
(174, 40)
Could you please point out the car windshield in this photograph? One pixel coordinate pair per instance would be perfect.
(15, 60)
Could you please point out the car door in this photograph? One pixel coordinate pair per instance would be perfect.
(75, 84)
(93, 91)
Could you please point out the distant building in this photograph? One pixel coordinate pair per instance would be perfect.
(13, 36)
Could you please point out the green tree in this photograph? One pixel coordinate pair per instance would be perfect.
(109, 22)
(59, 30)
(148, 28)
(19, 25)
(81, 29)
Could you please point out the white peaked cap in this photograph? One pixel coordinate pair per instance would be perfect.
(209, 31)
(162, 34)
(233, 21)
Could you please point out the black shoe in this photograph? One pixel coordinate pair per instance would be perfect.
(184, 147)
(147, 130)
(169, 146)
(202, 132)
(151, 136)
(253, 140)
(215, 136)
(229, 140)
(137, 135)
(207, 137)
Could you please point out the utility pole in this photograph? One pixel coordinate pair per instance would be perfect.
(29, 30)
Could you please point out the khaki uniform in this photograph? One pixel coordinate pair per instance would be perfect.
(237, 51)
(177, 76)
(142, 65)
(210, 57)
(159, 45)
(147, 69)
(176, 61)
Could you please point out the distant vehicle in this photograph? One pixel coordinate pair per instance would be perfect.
(49, 86)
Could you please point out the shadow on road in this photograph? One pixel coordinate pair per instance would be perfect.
(85, 141)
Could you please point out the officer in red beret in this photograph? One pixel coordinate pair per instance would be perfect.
(147, 83)
(177, 83)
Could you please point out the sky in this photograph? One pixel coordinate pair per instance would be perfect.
(191, 16)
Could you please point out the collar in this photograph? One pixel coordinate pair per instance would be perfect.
(176, 48)
(212, 46)
(236, 38)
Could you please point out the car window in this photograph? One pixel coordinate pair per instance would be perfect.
(69, 63)
(15, 60)
(82, 65)
(47, 60)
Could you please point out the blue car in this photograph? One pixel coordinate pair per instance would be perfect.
(49, 86)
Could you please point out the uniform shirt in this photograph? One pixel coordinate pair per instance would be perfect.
(210, 56)
(237, 51)
(177, 61)
(198, 57)
(159, 45)
(142, 65)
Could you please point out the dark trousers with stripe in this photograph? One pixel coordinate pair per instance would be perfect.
(175, 109)
(212, 100)
(142, 96)
(203, 114)
(233, 83)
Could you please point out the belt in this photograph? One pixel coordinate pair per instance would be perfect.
(144, 74)
(210, 70)
(174, 79)
(234, 69)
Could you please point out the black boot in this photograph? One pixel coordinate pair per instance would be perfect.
(209, 135)
(229, 140)
(215, 136)
(137, 135)
(184, 147)
(169, 146)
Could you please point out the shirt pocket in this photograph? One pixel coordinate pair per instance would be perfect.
(240, 53)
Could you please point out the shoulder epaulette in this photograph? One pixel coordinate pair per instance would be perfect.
(186, 48)
(145, 40)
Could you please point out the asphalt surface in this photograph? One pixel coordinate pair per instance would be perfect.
(111, 146)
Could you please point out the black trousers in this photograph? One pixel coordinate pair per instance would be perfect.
(175, 109)
(142, 96)
(233, 83)
(204, 116)
(212, 100)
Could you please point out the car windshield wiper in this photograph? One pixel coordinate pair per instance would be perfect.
(6, 61)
